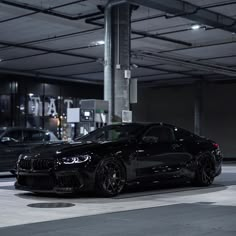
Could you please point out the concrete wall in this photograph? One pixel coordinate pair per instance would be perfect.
(220, 116)
(175, 105)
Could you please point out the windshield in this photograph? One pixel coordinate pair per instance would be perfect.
(1, 131)
(112, 133)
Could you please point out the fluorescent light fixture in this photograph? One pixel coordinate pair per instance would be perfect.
(195, 27)
(100, 42)
(31, 94)
(97, 43)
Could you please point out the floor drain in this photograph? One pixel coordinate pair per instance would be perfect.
(51, 205)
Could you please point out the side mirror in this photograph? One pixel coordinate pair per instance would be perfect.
(6, 139)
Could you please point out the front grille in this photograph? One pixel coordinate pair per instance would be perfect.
(43, 164)
(25, 164)
(36, 164)
(39, 182)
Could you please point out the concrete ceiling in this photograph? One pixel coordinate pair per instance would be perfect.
(55, 40)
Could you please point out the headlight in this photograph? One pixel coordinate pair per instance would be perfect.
(19, 158)
(75, 159)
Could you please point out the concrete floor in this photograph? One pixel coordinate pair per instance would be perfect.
(182, 210)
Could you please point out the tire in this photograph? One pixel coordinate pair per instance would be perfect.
(205, 172)
(110, 178)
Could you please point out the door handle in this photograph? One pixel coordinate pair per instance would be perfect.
(175, 146)
(140, 151)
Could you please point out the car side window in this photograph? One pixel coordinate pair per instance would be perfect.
(33, 136)
(15, 135)
(181, 134)
(159, 134)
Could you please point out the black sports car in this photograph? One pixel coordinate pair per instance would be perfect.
(109, 158)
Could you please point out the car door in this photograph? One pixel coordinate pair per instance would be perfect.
(11, 146)
(159, 156)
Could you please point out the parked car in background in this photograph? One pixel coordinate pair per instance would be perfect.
(16, 140)
(109, 158)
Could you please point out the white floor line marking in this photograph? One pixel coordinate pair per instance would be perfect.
(4, 184)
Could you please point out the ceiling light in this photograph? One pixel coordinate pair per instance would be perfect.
(100, 42)
(195, 27)
(134, 65)
(97, 43)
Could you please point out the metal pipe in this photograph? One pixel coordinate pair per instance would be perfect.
(49, 11)
(166, 70)
(54, 38)
(57, 51)
(198, 108)
(46, 50)
(108, 78)
(203, 16)
(48, 76)
(191, 64)
(62, 65)
(156, 36)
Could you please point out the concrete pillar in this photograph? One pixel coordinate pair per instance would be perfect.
(117, 59)
(198, 108)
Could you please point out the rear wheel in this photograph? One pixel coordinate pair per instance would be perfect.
(205, 172)
(110, 178)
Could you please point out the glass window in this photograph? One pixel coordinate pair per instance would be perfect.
(33, 136)
(15, 135)
(181, 134)
(112, 133)
(159, 134)
(2, 131)
(5, 110)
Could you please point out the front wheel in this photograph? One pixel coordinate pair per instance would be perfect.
(205, 172)
(110, 178)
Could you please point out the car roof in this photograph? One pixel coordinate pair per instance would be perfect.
(145, 124)
(21, 128)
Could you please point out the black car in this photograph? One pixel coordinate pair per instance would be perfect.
(16, 140)
(109, 158)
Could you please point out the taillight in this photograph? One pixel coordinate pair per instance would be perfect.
(216, 145)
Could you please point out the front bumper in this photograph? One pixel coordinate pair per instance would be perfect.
(52, 182)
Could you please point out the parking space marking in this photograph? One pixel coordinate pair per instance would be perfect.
(4, 184)
(13, 203)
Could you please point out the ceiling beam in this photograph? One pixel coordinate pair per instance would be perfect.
(49, 11)
(49, 76)
(140, 33)
(46, 50)
(193, 64)
(167, 70)
(186, 10)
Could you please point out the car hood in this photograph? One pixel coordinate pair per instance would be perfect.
(58, 150)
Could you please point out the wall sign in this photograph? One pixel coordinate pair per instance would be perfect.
(35, 105)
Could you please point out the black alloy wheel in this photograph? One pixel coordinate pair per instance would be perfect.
(205, 173)
(110, 178)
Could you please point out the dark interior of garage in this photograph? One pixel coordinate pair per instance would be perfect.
(106, 78)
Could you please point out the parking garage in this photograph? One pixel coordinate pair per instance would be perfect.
(68, 68)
